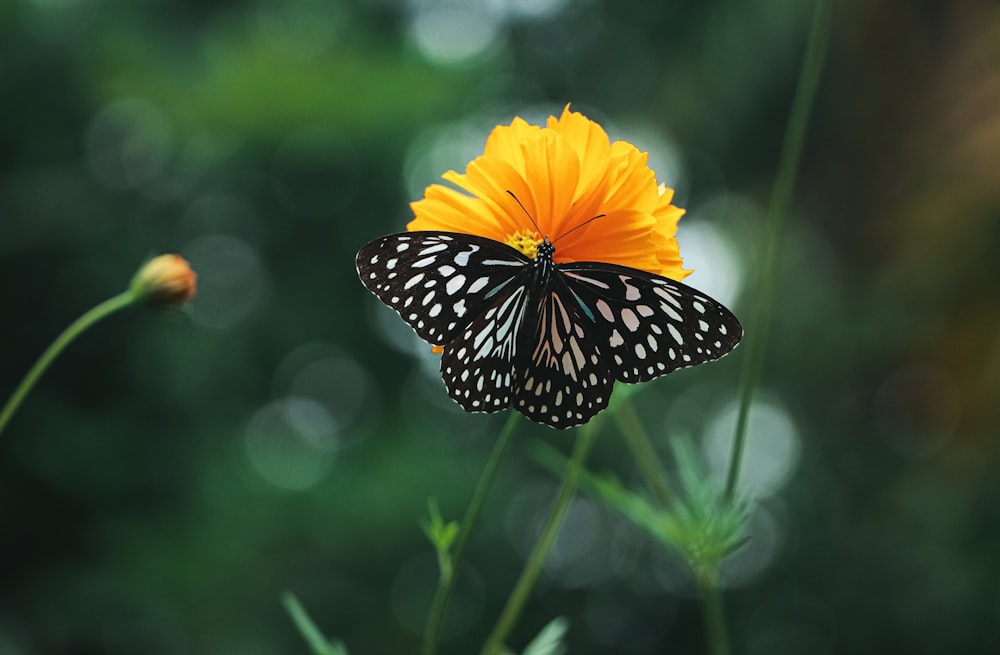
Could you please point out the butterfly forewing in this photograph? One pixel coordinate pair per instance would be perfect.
(649, 325)
(439, 282)
(564, 379)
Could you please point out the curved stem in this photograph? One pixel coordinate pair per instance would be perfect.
(518, 597)
(791, 153)
(645, 455)
(446, 583)
(109, 306)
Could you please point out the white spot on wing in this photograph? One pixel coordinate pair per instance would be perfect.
(437, 247)
(669, 311)
(630, 320)
(455, 284)
(478, 284)
(631, 292)
(462, 258)
(605, 311)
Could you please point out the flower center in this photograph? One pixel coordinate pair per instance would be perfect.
(526, 241)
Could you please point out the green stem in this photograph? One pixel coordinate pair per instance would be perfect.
(106, 308)
(791, 153)
(446, 583)
(645, 455)
(518, 597)
(715, 622)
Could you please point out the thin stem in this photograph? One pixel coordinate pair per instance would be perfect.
(791, 153)
(715, 622)
(518, 597)
(447, 582)
(645, 455)
(109, 306)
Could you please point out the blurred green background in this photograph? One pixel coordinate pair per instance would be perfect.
(173, 473)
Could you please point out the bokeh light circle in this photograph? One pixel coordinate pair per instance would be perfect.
(705, 249)
(325, 374)
(448, 34)
(771, 452)
(291, 442)
(129, 143)
(231, 280)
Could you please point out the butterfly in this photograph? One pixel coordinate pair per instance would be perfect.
(548, 339)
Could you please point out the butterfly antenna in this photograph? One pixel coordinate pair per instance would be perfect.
(586, 222)
(537, 229)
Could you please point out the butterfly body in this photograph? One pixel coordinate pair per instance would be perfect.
(549, 339)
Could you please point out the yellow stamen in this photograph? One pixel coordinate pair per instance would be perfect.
(526, 241)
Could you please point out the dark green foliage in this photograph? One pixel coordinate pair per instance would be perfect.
(174, 473)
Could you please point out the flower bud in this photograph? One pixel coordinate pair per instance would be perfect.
(164, 281)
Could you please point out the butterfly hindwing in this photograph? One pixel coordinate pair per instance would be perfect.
(649, 325)
(438, 281)
(478, 365)
(563, 377)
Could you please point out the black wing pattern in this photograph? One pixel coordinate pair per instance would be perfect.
(478, 365)
(649, 325)
(549, 339)
(564, 378)
(439, 282)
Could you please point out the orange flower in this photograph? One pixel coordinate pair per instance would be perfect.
(564, 174)
(166, 280)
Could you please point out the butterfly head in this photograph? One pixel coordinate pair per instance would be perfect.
(545, 250)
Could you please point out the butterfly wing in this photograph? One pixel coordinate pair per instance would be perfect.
(563, 379)
(553, 346)
(648, 325)
(439, 282)
(477, 366)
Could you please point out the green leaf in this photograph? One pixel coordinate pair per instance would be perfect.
(701, 526)
(713, 528)
(318, 644)
(442, 535)
(550, 640)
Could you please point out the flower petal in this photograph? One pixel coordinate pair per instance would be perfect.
(553, 167)
(591, 143)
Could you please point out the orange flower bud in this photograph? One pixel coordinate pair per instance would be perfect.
(166, 281)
